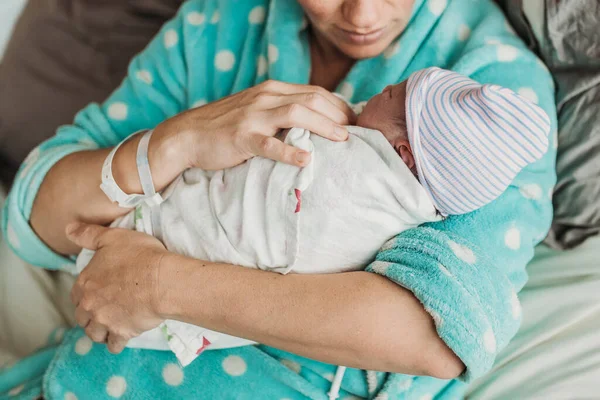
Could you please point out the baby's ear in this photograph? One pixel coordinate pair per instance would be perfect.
(407, 156)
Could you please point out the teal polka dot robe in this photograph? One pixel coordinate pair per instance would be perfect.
(466, 270)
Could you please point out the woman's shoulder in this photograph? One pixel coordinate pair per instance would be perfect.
(219, 12)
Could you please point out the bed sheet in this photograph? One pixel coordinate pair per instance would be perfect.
(556, 353)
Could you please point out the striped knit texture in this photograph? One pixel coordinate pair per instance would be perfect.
(470, 140)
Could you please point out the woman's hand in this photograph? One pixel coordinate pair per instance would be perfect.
(116, 294)
(230, 131)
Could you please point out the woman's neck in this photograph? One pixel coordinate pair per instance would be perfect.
(329, 66)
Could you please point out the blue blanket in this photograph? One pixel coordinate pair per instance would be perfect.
(466, 270)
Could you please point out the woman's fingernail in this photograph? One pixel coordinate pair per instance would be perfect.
(340, 132)
(302, 157)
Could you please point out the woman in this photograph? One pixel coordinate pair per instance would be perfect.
(382, 319)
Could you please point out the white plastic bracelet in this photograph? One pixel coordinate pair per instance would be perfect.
(152, 199)
(110, 187)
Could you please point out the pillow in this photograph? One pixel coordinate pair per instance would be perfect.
(62, 56)
(568, 40)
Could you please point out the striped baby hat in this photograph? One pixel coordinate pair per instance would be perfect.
(469, 140)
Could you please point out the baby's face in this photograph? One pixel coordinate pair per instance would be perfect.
(386, 113)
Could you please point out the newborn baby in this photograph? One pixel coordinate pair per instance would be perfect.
(435, 145)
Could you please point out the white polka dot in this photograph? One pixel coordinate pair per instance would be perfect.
(506, 53)
(234, 365)
(70, 396)
(116, 386)
(118, 111)
(196, 18)
(405, 384)
(13, 239)
(462, 252)
(88, 143)
(347, 90)
(382, 396)
(172, 374)
(261, 65)
(489, 341)
(199, 103)
(59, 334)
(83, 345)
(555, 139)
(551, 193)
(444, 270)
(541, 64)
(392, 50)
(328, 376)
(293, 365)
(492, 41)
(171, 38)
(512, 239)
(389, 244)
(224, 60)
(515, 305)
(463, 32)
(16, 390)
(437, 318)
(531, 191)
(427, 396)
(144, 76)
(529, 94)
(215, 18)
(33, 156)
(30, 160)
(257, 15)
(273, 53)
(437, 7)
(380, 267)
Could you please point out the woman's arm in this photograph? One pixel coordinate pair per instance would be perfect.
(218, 135)
(356, 319)
(71, 190)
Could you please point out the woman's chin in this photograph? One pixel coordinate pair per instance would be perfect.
(359, 52)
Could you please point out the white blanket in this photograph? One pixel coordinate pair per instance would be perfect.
(331, 216)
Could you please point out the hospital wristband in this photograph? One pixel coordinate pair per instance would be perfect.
(152, 199)
(110, 187)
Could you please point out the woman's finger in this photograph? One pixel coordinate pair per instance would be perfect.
(296, 115)
(82, 317)
(115, 343)
(312, 100)
(84, 235)
(96, 332)
(292, 88)
(275, 149)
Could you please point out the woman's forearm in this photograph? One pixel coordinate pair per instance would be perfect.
(71, 190)
(355, 319)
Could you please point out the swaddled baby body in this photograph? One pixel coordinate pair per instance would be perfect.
(435, 145)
